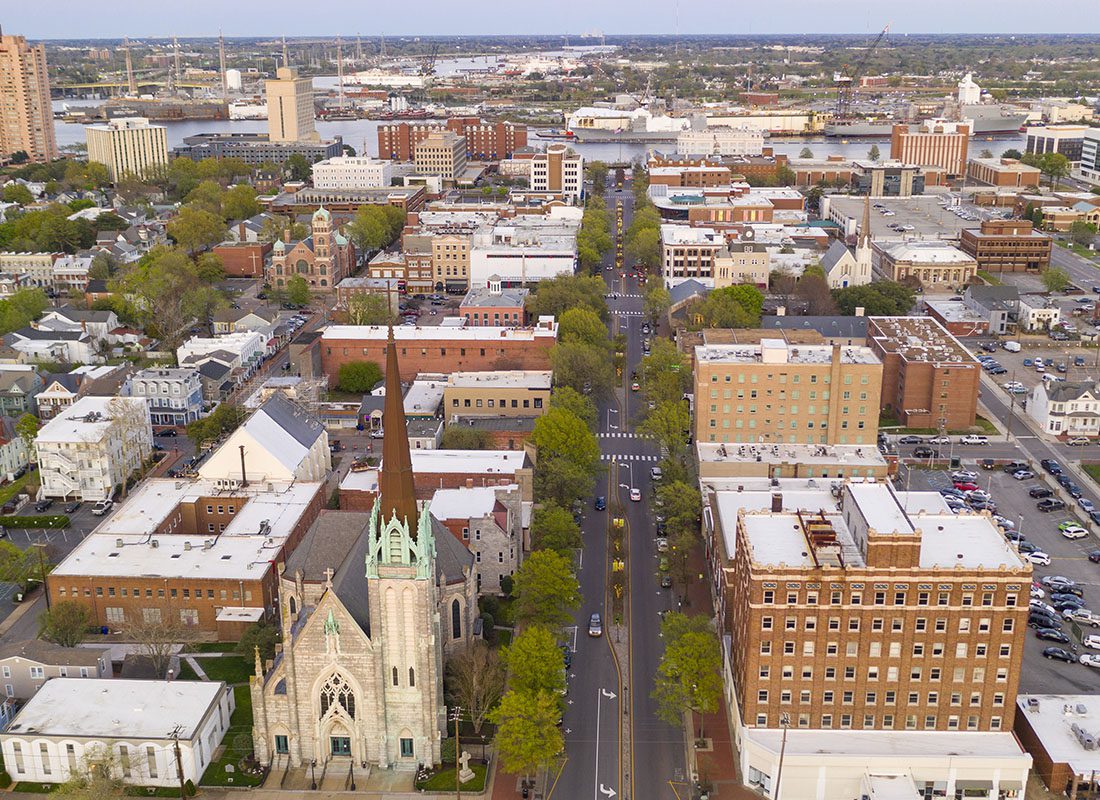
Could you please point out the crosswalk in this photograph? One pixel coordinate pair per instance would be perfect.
(627, 296)
(622, 435)
(617, 313)
(628, 457)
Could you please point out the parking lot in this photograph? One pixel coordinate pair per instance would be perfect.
(1068, 557)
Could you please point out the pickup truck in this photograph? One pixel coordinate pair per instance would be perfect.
(102, 507)
(1082, 616)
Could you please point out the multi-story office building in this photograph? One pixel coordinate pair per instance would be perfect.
(441, 153)
(1065, 139)
(174, 395)
(93, 446)
(128, 146)
(26, 117)
(1007, 245)
(254, 148)
(352, 172)
(936, 142)
(721, 141)
(484, 140)
(290, 107)
(776, 392)
(929, 380)
(688, 253)
(862, 607)
(504, 393)
(1003, 172)
(1089, 168)
(559, 171)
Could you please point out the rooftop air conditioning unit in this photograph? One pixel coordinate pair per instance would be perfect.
(154, 544)
(118, 543)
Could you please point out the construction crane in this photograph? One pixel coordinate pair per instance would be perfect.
(428, 67)
(848, 78)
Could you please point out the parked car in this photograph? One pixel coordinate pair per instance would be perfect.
(655, 473)
(635, 494)
(102, 507)
(920, 451)
(1060, 654)
(974, 439)
(966, 486)
(1091, 640)
(910, 439)
(1051, 466)
(43, 505)
(1039, 492)
(1082, 616)
(1013, 467)
(1039, 557)
(70, 508)
(1048, 580)
(595, 626)
(1073, 532)
(1050, 504)
(964, 475)
(1086, 505)
(1052, 635)
(1023, 475)
(940, 440)
(1025, 547)
(1079, 441)
(1089, 660)
(601, 503)
(1038, 621)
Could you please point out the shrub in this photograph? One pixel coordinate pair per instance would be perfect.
(447, 750)
(488, 628)
(506, 584)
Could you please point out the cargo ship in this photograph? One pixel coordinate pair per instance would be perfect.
(989, 120)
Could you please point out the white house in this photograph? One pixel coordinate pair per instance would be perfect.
(68, 347)
(98, 324)
(1066, 409)
(174, 395)
(245, 350)
(88, 449)
(1036, 313)
(281, 442)
(71, 722)
(26, 666)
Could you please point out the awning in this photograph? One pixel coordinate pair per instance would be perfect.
(1011, 786)
(974, 784)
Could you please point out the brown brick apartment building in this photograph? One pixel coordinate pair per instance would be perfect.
(929, 380)
(1007, 245)
(1003, 172)
(859, 615)
(442, 348)
(484, 140)
(777, 392)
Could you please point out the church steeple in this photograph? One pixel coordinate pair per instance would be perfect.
(396, 491)
(864, 239)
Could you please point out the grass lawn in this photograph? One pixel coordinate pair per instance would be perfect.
(239, 724)
(186, 673)
(152, 791)
(35, 788)
(989, 278)
(16, 486)
(231, 669)
(444, 780)
(1093, 471)
(211, 647)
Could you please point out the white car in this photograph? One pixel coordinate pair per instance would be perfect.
(635, 494)
(1038, 557)
(1037, 593)
(662, 544)
(978, 494)
(940, 440)
(964, 475)
(974, 439)
(1083, 616)
(1090, 660)
(1007, 524)
(1075, 532)
(102, 507)
(1092, 640)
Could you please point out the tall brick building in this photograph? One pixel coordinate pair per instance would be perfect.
(485, 141)
(865, 608)
(1007, 245)
(929, 380)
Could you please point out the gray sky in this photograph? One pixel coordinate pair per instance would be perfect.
(60, 19)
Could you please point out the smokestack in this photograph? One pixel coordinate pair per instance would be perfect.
(340, 70)
(777, 502)
(244, 472)
(131, 83)
(286, 54)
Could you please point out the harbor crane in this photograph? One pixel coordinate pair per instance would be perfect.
(847, 78)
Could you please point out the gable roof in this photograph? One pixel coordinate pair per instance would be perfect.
(327, 543)
(213, 369)
(685, 290)
(452, 558)
(48, 653)
(1062, 391)
(833, 256)
(291, 418)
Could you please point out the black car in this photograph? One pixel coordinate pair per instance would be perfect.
(43, 505)
(71, 507)
(169, 432)
(1050, 504)
(1074, 490)
(1014, 466)
(1025, 546)
(1063, 480)
(1038, 618)
(567, 656)
(1060, 654)
(1039, 492)
(1051, 635)
(925, 452)
(910, 439)
(601, 503)
(983, 505)
(1094, 556)
(1069, 605)
(1061, 591)
(1051, 466)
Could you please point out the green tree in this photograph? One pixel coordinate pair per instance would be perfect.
(209, 268)
(226, 418)
(358, 376)
(195, 229)
(582, 325)
(1012, 152)
(1055, 166)
(369, 309)
(669, 423)
(680, 503)
(579, 365)
(873, 153)
(546, 590)
(298, 167)
(597, 173)
(207, 196)
(17, 193)
(475, 681)
(535, 663)
(65, 623)
(656, 301)
(645, 247)
(297, 291)
(239, 202)
(462, 437)
(879, 299)
(553, 528)
(731, 307)
(527, 736)
(27, 428)
(556, 295)
(986, 153)
(689, 675)
(1055, 279)
(571, 400)
(560, 433)
(1082, 233)
(561, 481)
(806, 153)
(665, 373)
(263, 636)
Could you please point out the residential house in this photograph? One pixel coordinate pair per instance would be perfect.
(60, 390)
(174, 395)
(216, 377)
(997, 304)
(25, 666)
(97, 324)
(1066, 409)
(1036, 312)
(14, 453)
(488, 522)
(234, 320)
(19, 383)
(243, 351)
(66, 347)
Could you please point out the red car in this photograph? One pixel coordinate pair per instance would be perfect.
(965, 486)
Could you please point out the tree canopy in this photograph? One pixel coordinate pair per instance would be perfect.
(358, 376)
(553, 528)
(546, 590)
(556, 295)
(878, 299)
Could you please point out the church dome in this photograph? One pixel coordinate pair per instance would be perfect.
(321, 215)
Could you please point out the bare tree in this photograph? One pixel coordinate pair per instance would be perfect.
(97, 777)
(476, 681)
(156, 632)
(814, 292)
(130, 424)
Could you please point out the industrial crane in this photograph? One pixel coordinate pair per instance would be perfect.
(845, 82)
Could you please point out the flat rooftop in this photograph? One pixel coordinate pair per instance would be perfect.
(468, 462)
(1052, 717)
(929, 219)
(903, 744)
(280, 504)
(86, 420)
(925, 252)
(956, 311)
(516, 379)
(683, 234)
(475, 501)
(116, 708)
(918, 339)
(777, 351)
(408, 333)
(855, 455)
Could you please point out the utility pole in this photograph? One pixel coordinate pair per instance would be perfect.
(41, 548)
(175, 735)
(221, 65)
(785, 721)
(456, 718)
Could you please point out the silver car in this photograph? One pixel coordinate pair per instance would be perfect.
(595, 627)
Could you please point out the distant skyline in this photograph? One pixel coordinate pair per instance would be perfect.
(68, 19)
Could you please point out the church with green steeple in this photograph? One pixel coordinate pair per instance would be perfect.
(370, 605)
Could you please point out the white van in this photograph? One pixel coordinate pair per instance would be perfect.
(1012, 347)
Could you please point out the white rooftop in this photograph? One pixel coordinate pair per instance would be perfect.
(116, 708)
(879, 508)
(75, 425)
(469, 462)
(926, 252)
(682, 234)
(519, 379)
(1052, 717)
(903, 744)
(777, 351)
(547, 327)
(467, 502)
(859, 455)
